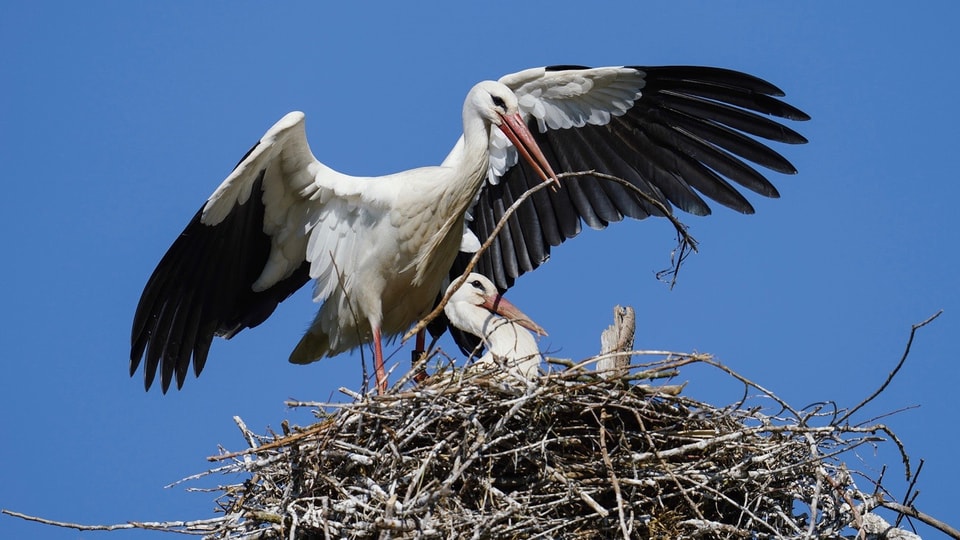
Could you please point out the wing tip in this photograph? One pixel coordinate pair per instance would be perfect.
(290, 119)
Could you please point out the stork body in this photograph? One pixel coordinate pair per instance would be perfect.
(380, 249)
(478, 308)
(398, 261)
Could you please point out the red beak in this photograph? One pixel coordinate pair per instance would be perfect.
(498, 304)
(518, 133)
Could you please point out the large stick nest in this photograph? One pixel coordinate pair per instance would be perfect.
(571, 454)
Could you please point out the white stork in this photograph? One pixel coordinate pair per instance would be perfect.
(379, 249)
(478, 308)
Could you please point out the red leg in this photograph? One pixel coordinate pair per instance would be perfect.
(378, 362)
(421, 340)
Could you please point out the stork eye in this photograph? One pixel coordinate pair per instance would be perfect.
(476, 284)
(498, 102)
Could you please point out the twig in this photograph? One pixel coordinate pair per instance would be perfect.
(613, 475)
(422, 324)
(909, 492)
(686, 239)
(247, 434)
(786, 406)
(929, 520)
(687, 242)
(166, 526)
(892, 374)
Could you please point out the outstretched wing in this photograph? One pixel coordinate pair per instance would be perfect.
(676, 133)
(242, 254)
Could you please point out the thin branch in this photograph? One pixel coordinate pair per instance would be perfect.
(929, 520)
(611, 470)
(786, 406)
(476, 257)
(910, 490)
(163, 526)
(687, 242)
(892, 374)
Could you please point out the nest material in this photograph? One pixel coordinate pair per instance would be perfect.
(569, 455)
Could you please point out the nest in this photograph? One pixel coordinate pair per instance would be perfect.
(572, 454)
(575, 453)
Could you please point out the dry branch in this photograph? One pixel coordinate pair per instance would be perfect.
(685, 242)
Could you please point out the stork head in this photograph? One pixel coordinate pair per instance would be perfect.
(493, 101)
(479, 292)
(498, 106)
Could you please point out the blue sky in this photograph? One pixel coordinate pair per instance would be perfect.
(120, 118)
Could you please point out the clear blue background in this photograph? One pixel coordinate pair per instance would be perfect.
(119, 118)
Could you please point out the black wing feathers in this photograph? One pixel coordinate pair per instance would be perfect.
(202, 288)
(688, 138)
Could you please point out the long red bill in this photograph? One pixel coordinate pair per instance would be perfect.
(518, 133)
(499, 305)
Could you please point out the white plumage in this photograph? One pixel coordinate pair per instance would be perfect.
(478, 308)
